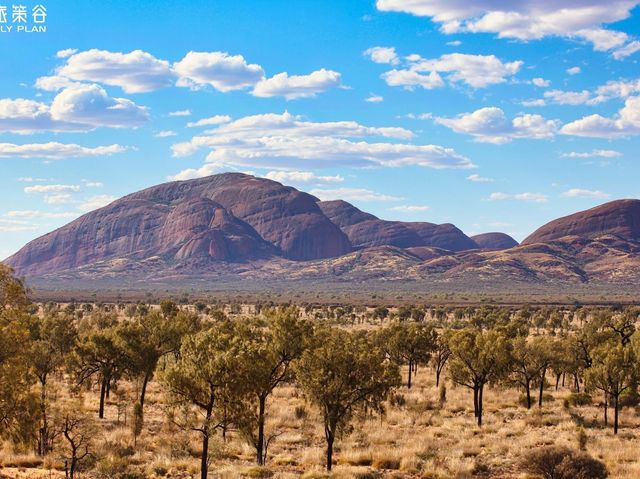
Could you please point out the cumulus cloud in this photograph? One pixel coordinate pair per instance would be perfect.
(479, 179)
(541, 82)
(583, 193)
(76, 108)
(627, 50)
(568, 97)
(477, 71)
(134, 72)
(191, 173)
(220, 70)
(386, 55)
(95, 202)
(592, 154)
(527, 196)
(574, 70)
(51, 189)
(297, 86)
(372, 98)
(409, 208)
(165, 134)
(286, 141)
(55, 151)
(490, 125)
(302, 177)
(626, 123)
(66, 52)
(180, 113)
(212, 120)
(525, 19)
(352, 194)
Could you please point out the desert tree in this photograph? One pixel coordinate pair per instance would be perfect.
(268, 351)
(614, 371)
(344, 372)
(441, 354)
(478, 357)
(52, 339)
(149, 338)
(98, 357)
(77, 431)
(408, 343)
(205, 372)
(18, 406)
(528, 363)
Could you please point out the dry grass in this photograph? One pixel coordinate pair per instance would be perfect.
(414, 439)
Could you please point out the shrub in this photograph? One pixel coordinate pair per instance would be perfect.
(582, 439)
(300, 412)
(555, 462)
(580, 399)
(397, 400)
(386, 463)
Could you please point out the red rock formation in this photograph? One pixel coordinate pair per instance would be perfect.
(620, 218)
(494, 241)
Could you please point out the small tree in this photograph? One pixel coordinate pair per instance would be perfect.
(206, 371)
(441, 354)
(613, 372)
(408, 343)
(345, 372)
(77, 431)
(478, 357)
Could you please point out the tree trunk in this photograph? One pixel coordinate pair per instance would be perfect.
(480, 405)
(44, 426)
(606, 404)
(204, 456)
(143, 390)
(260, 443)
(438, 370)
(103, 388)
(615, 414)
(542, 376)
(410, 371)
(475, 401)
(330, 438)
(558, 380)
(527, 388)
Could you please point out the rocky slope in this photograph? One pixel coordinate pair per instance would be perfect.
(240, 230)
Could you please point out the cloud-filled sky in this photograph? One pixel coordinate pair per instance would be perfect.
(492, 118)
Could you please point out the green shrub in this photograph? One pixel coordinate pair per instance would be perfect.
(555, 462)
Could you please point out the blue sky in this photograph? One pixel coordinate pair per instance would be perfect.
(429, 110)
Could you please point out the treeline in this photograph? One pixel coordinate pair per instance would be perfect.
(218, 374)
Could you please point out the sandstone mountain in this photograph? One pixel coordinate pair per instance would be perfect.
(249, 232)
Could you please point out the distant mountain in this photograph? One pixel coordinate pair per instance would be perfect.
(619, 218)
(494, 241)
(247, 232)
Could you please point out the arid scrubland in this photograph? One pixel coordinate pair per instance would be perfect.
(328, 364)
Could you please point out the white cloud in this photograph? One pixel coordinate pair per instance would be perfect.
(212, 120)
(478, 71)
(297, 86)
(220, 70)
(134, 72)
(541, 82)
(479, 179)
(409, 208)
(76, 108)
(282, 141)
(351, 194)
(372, 98)
(386, 55)
(574, 70)
(524, 19)
(93, 184)
(568, 97)
(490, 125)
(56, 151)
(527, 196)
(40, 214)
(625, 123)
(51, 189)
(582, 193)
(180, 113)
(191, 173)
(16, 226)
(627, 50)
(58, 198)
(66, 53)
(302, 177)
(533, 102)
(454, 43)
(592, 154)
(96, 202)
(54, 83)
(165, 134)
(90, 105)
(410, 79)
